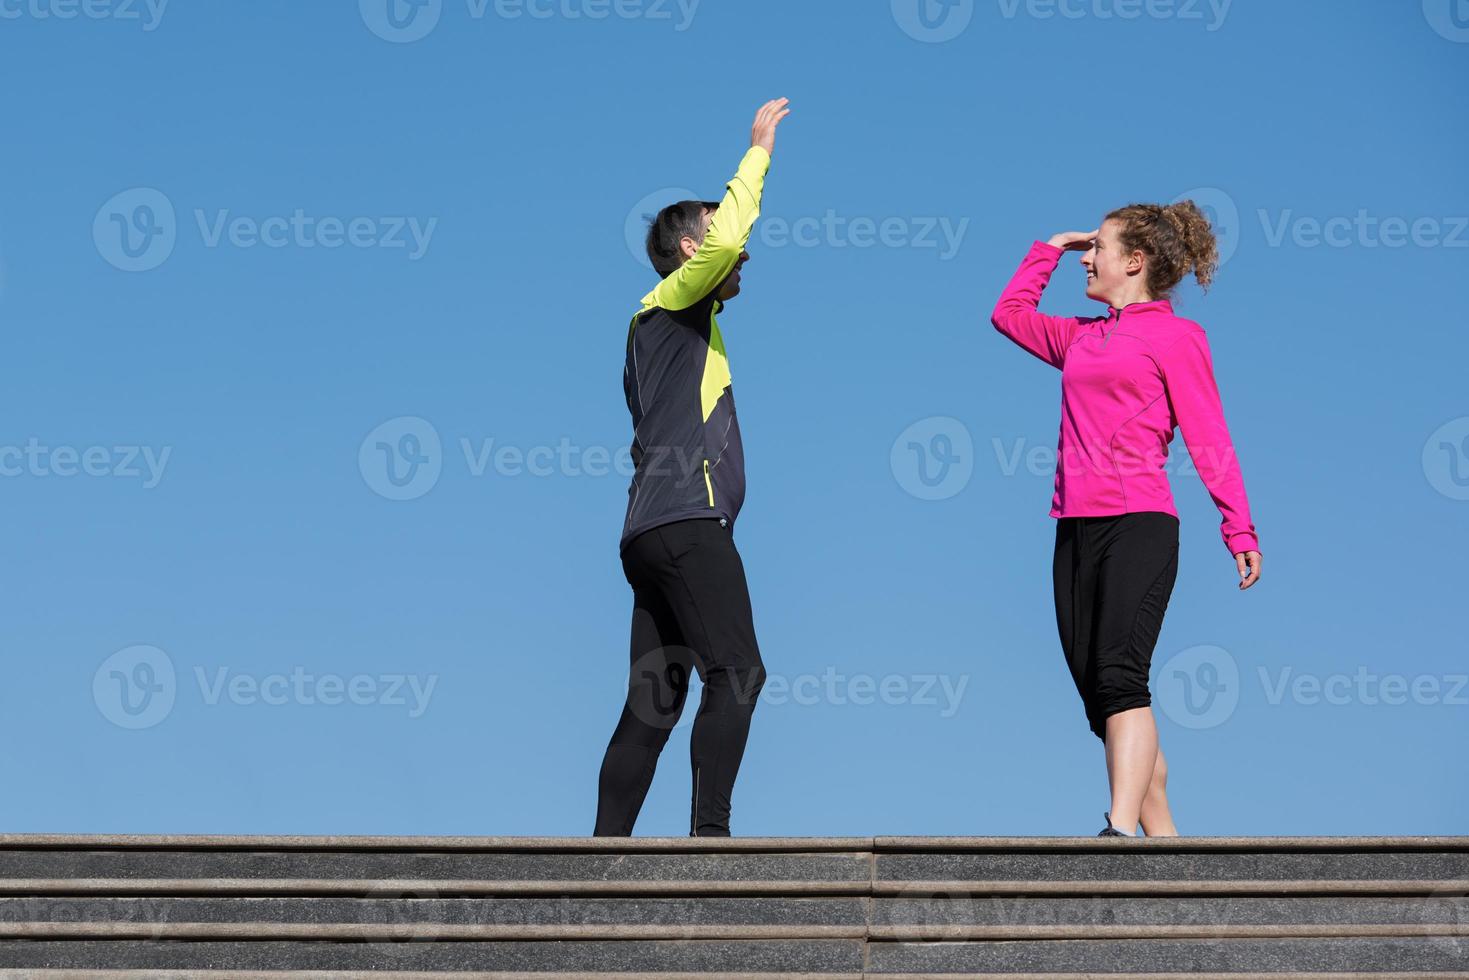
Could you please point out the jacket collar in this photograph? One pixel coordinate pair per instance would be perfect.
(1132, 309)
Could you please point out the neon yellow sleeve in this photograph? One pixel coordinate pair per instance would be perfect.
(728, 232)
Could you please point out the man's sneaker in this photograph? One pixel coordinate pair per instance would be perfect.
(1111, 831)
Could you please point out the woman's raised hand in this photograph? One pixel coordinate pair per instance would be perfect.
(1075, 241)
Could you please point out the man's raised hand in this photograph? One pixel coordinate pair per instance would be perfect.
(769, 116)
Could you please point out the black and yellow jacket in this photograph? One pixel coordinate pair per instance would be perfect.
(686, 445)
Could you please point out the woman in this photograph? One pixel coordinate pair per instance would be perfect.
(1127, 379)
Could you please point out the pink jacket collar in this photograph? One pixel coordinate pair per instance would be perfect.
(1152, 306)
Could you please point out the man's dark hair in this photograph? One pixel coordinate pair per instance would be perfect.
(672, 225)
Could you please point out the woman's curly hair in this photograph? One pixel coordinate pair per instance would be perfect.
(1176, 238)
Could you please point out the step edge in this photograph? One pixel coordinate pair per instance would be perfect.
(712, 844)
(887, 887)
(429, 933)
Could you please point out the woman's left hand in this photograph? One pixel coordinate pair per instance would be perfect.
(1249, 568)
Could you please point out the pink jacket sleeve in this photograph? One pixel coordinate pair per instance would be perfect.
(1016, 315)
(1188, 373)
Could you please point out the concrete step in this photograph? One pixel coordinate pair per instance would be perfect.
(471, 867)
(421, 919)
(689, 866)
(967, 916)
(831, 957)
(388, 974)
(419, 908)
(1192, 957)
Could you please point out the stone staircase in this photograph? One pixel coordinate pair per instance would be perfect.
(896, 907)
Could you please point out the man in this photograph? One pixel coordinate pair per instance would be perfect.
(691, 605)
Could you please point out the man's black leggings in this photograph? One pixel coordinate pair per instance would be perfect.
(1113, 578)
(691, 612)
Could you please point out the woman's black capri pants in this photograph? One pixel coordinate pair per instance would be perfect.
(1113, 578)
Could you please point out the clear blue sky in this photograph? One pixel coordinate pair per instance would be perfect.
(188, 463)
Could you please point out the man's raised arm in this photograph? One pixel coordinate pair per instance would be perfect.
(731, 224)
